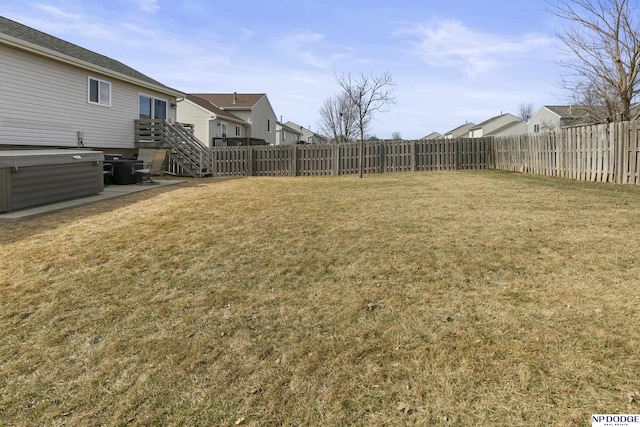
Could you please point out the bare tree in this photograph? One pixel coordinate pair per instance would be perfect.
(338, 117)
(396, 136)
(369, 95)
(602, 40)
(526, 111)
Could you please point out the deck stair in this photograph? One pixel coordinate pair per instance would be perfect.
(189, 155)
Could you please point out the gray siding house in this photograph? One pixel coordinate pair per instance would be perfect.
(552, 118)
(57, 94)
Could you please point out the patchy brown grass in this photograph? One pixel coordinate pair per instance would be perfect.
(453, 298)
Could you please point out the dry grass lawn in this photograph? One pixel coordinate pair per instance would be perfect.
(446, 298)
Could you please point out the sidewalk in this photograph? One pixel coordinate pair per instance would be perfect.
(109, 192)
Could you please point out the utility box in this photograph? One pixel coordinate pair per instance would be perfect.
(39, 177)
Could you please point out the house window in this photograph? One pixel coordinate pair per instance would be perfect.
(99, 92)
(284, 135)
(237, 130)
(536, 128)
(151, 108)
(268, 125)
(223, 129)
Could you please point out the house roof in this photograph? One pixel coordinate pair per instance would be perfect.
(461, 130)
(297, 126)
(504, 127)
(232, 101)
(575, 115)
(433, 135)
(207, 105)
(289, 128)
(18, 35)
(486, 122)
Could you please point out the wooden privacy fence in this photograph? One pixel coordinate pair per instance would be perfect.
(603, 153)
(341, 159)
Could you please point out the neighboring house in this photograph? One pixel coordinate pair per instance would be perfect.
(252, 109)
(308, 136)
(493, 124)
(62, 95)
(554, 117)
(459, 132)
(210, 123)
(518, 127)
(286, 135)
(432, 135)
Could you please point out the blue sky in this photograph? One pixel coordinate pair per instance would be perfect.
(453, 61)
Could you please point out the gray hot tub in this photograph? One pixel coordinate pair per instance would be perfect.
(39, 177)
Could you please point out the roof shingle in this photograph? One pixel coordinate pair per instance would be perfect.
(38, 38)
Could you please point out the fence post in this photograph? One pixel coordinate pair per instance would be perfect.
(624, 139)
(249, 160)
(294, 161)
(491, 147)
(412, 153)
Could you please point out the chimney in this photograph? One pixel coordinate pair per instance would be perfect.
(235, 97)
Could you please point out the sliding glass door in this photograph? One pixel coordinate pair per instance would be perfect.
(151, 108)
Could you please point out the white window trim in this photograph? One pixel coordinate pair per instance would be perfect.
(238, 132)
(89, 92)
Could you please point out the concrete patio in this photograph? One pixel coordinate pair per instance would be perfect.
(109, 192)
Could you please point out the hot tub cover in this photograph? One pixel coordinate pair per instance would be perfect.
(23, 158)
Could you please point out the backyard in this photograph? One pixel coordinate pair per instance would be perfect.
(427, 298)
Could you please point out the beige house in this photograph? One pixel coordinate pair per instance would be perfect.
(308, 136)
(461, 131)
(62, 95)
(518, 127)
(488, 126)
(211, 125)
(432, 136)
(286, 135)
(245, 115)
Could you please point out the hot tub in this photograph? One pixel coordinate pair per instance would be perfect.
(40, 177)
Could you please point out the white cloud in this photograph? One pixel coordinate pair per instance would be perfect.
(311, 49)
(450, 43)
(56, 12)
(246, 34)
(301, 46)
(59, 22)
(149, 6)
